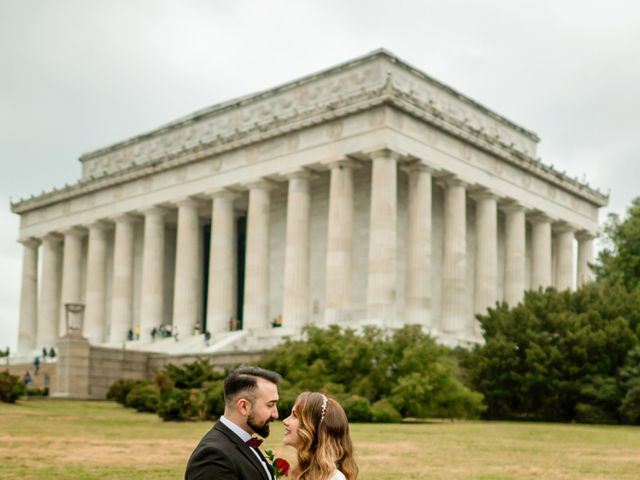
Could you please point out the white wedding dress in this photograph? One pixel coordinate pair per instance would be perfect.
(338, 476)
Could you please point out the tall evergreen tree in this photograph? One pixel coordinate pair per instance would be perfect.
(619, 261)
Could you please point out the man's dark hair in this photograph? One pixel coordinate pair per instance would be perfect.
(245, 380)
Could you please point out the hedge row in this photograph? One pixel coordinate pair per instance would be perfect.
(376, 377)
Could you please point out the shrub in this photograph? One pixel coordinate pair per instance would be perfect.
(213, 399)
(144, 397)
(10, 388)
(407, 367)
(357, 408)
(35, 392)
(192, 375)
(164, 381)
(196, 406)
(382, 412)
(119, 390)
(173, 405)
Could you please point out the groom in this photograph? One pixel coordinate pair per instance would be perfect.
(228, 451)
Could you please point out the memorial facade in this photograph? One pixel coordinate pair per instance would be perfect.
(365, 193)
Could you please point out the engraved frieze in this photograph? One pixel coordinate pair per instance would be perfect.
(454, 109)
(285, 105)
(377, 117)
(214, 165)
(317, 109)
(334, 129)
(498, 166)
(293, 141)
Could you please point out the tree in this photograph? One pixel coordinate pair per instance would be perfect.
(412, 374)
(619, 261)
(559, 355)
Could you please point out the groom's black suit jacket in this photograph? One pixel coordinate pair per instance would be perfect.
(222, 455)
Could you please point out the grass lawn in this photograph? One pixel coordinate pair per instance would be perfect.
(102, 440)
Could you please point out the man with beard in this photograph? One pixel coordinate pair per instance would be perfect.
(229, 451)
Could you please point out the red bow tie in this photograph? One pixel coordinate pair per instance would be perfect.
(254, 442)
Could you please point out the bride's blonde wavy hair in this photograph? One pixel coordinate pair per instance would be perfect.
(324, 438)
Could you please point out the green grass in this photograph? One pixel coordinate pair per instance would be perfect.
(101, 440)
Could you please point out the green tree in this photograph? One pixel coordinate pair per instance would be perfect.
(415, 376)
(619, 260)
(558, 355)
(630, 380)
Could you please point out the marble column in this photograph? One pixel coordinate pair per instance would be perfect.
(585, 257)
(418, 270)
(28, 328)
(564, 270)
(295, 304)
(152, 291)
(541, 251)
(49, 305)
(122, 290)
(339, 242)
(185, 297)
(455, 314)
(515, 254)
(95, 311)
(71, 273)
(220, 304)
(486, 273)
(381, 283)
(256, 278)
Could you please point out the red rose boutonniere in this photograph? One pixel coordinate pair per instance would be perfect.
(279, 466)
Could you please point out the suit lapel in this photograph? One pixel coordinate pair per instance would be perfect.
(244, 449)
(265, 462)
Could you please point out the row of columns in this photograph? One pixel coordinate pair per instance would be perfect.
(382, 252)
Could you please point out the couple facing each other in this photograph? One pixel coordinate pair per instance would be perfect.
(317, 428)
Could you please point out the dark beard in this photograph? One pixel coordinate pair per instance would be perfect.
(262, 430)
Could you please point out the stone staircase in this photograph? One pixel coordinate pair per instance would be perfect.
(37, 381)
(233, 341)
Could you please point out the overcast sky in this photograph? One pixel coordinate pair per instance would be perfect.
(77, 75)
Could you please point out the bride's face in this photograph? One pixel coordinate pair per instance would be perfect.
(291, 430)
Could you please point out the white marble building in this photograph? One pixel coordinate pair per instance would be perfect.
(365, 193)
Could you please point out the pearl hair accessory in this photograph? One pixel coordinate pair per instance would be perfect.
(324, 407)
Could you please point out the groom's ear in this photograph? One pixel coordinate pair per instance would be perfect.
(243, 406)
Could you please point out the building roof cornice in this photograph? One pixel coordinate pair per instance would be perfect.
(230, 105)
(375, 79)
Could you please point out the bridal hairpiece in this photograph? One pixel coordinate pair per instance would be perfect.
(324, 407)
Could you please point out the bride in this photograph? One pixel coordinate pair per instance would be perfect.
(318, 429)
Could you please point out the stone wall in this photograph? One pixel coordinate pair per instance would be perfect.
(106, 365)
(86, 372)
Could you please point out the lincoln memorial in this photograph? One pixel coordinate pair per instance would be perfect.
(367, 193)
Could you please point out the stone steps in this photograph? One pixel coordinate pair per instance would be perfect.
(37, 381)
